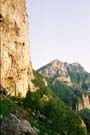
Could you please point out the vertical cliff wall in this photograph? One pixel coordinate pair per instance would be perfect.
(15, 62)
(86, 100)
(86, 103)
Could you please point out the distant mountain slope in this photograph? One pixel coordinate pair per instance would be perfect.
(69, 82)
(71, 74)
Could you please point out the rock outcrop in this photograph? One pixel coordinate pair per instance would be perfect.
(13, 126)
(15, 61)
(86, 103)
(86, 100)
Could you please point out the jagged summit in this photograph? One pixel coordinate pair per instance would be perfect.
(72, 74)
(55, 61)
(76, 64)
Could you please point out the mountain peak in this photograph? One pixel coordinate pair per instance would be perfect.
(71, 74)
(55, 61)
(76, 64)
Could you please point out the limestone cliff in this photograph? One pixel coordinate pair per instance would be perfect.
(15, 62)
(86, 103)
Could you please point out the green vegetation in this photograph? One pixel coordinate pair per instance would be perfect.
(44, 111)
(85, 114)
(78, 77)
(15, 106)
(49, 116)
(69, 95)
(7, 106)
(38, 81)
(53, 114)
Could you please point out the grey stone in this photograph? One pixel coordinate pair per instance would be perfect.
(14, 126)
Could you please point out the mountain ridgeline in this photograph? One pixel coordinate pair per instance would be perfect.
(69, 82)
(71, 74)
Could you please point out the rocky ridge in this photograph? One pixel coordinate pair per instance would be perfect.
(71, 74)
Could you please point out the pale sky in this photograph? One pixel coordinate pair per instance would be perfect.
(59, 29)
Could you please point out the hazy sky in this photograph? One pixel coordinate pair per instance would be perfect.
(59, 29)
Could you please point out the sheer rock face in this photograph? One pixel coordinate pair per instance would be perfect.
(15, 62)
(86, 103)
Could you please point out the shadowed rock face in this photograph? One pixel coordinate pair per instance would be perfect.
(3, 91)
(15, 62)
